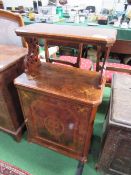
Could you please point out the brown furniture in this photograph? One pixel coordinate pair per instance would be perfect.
(122, 47)
(11, 66)
(102, 38)
(60, 102)
(9, 22)
(115, 156)
(59, 107)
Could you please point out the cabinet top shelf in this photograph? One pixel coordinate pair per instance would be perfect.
(62, 81)
(77, 33)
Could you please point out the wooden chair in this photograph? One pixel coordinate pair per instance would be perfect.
(9, 22)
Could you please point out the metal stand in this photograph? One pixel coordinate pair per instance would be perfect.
(80, 168)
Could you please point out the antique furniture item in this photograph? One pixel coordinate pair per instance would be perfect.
(102, 38)
(59, 107)
(60, 102)
(9, 22)
(12, 55)
(115, 156)
(11, 66)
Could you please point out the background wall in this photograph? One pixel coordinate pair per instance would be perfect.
(14, 3)
(117, 4)
(98, 3)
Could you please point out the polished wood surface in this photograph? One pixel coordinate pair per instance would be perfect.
(102, 38)
(68, 82)
(59, 106)
(60, 102)
(11, 66)
(9, 55)
(79, 33)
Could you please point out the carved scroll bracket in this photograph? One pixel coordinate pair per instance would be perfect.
(32, 61)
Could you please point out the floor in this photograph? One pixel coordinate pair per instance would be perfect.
(41, 161)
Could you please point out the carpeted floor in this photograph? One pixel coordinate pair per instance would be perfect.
(41, 161)
(8, 169)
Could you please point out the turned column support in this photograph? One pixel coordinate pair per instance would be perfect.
(102, 68)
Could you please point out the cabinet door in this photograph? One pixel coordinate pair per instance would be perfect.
(56, 122)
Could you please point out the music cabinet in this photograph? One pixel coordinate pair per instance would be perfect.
(59, 106)
(115, 158)
(11, 66)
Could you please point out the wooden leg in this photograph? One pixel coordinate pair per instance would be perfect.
(46, 51)
(106, 56)
(98, 58)
(79, 55)
(80, 168)
(18, 136)
(97, 166)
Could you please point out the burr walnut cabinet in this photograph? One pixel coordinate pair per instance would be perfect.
(60, 102)
(59, 106)
(11, 66)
